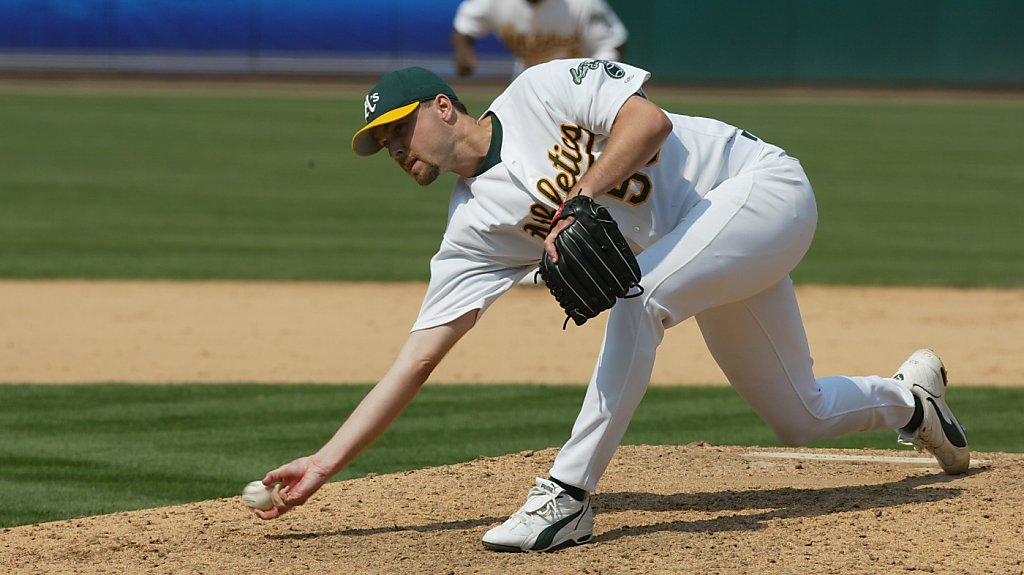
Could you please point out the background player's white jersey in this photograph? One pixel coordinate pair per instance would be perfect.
(547, 30)
(555, 121)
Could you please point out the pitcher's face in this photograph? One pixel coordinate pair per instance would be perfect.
(419, 143)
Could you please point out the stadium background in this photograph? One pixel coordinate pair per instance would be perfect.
(875, 42)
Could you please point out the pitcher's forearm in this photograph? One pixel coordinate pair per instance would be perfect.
(422, 352)
(639, 130)
(369, 420)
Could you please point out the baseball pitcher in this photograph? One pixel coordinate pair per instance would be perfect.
(716, 217)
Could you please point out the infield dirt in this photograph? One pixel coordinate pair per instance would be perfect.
(96, 331)
(667, 509)
(684, 509)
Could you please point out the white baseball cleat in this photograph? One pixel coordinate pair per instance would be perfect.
(550, 519)
(939, 433)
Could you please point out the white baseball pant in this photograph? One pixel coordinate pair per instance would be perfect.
(727, 264)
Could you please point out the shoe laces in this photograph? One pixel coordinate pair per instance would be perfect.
(538, 502)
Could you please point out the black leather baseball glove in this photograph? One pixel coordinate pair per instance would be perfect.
(595, 265)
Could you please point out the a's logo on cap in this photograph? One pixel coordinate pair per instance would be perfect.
(370, 106)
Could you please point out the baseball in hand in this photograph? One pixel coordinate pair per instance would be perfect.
(257, 496)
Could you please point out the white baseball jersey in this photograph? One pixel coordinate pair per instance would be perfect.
(555, 121)
(547, 30)
(718, 219)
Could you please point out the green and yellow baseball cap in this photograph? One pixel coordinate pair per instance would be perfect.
(397, 95)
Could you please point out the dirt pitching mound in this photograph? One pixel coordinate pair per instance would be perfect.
(683, 509)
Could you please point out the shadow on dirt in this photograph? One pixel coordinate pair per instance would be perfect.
(784, 503)
(429, 527)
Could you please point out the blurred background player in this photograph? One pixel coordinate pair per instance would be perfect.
(537, 31)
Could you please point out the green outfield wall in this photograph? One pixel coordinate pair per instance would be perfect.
(959, 43)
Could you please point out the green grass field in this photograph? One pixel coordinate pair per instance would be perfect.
(233, 186)
(244, 186)
(92, 449)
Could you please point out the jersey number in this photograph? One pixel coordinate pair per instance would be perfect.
(637, 197)
(636, 194)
